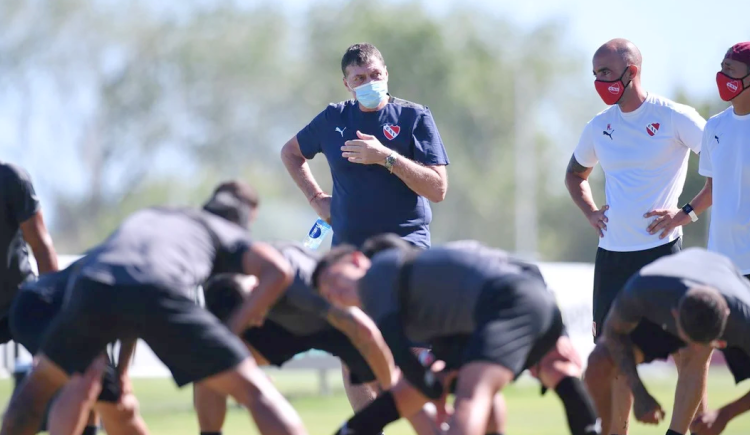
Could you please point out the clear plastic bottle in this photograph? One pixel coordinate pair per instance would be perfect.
(317, 233)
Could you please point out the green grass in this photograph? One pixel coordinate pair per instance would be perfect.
(168, 411)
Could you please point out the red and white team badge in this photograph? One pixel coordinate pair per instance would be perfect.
(391, 131)
(651, 129)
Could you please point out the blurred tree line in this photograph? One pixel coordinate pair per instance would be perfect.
(211, 90)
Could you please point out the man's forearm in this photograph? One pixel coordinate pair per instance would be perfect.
(704, 198)
(46, 259)
(580, 192)
(691, 384)
(621, 349)
(365, 336)
(300, 172)
(738, 407)
(423, 180)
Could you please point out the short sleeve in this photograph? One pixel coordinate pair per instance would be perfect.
(705, 165)
(585, 153)
(428, 145)
(689, 125)
(310, 138)
(20, 191)
(231, 242)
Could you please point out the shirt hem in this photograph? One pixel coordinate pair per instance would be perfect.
(645, 247)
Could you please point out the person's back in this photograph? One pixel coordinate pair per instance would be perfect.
(174, 248)
(444, 288)
(656, 290)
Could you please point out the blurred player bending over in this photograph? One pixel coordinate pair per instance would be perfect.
(300, 321)
(486, 315)
(141, 282)
(696, 301)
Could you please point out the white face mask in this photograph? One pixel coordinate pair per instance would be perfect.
(372, 94)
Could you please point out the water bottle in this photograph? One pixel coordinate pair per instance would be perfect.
(317, 233)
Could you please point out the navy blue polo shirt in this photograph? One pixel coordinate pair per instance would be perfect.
(368, 199)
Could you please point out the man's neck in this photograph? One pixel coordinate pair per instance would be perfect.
(633, 101)
(741, 104)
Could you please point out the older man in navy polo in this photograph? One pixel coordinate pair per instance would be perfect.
(386, 158)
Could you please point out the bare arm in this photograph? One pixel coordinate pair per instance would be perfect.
(299, 170)
(714, 422)
(618, 342)
(274, 276)
(36, 235)
(428, 181)
(366, 337)
(691, 382)
(704, 198)
(577, 182)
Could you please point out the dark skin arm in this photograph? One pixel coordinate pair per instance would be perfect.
(36, 235)
(366, 337)
(274, 276)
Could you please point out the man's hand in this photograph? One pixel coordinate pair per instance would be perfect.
(255, 319)
(367, 150)
(322, 206)
(599, 220)
(646, 408)
(666, 221)
(710, 423)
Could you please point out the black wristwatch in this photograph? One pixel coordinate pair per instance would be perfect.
(688, 209)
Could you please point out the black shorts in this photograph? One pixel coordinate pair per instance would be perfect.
(278, 346)
(189, 340)
(518, 322)
(613, 269)
(30, 318)
(738, 362)
(654, 341)
(5, 333)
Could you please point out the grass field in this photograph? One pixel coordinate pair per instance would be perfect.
(168, 411)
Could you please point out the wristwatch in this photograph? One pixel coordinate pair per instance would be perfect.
(688, 209)
(390, 161)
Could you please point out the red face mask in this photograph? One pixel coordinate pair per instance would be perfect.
(611, 91)
(729, 88)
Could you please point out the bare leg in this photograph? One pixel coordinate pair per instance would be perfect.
(498, 415)
(250, 387)
(692, 368)
(72, 408)
(560, 369)
(359, 395)
(122, 418)
(478, 382)
(211, 408)
(93, 419)
(622, 403)
(26, 410)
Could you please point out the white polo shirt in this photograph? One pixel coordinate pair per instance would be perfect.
(726, 159)
(644, 156)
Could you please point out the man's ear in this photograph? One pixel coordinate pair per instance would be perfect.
(358, 258)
